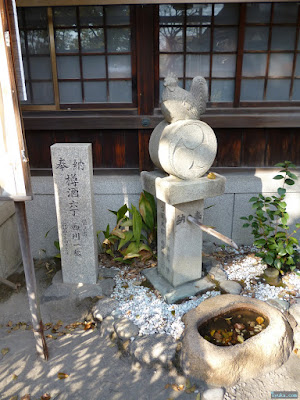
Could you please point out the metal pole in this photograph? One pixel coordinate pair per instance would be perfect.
(34, 306)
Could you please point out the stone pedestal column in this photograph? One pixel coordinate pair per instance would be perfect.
(179, 249)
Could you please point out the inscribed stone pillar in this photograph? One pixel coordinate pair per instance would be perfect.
(74, 199)
(179, 252)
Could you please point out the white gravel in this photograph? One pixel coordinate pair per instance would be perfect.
(153, 315)
(148, 312)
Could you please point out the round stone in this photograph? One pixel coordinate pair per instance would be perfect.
(185, 149)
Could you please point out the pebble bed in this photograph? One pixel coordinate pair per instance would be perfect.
(153, 315)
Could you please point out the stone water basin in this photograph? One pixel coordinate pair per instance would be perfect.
(228, 365)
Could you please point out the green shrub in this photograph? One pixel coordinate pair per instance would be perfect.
(270, 227)
(133, 236)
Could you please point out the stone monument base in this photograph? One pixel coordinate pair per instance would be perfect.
(173, 294)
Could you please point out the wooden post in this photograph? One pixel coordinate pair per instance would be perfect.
(34, 306)
(15, 181)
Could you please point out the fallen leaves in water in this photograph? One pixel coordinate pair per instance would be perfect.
(260, 320)
(62, 375)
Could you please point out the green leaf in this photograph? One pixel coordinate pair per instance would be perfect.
(290, 249)
(278, 177)
(146, 211)
(260, 242)
(297, 226)
(56, 244)
(281, 165)
(250, 217)
(126, 239)
(277, 264)
(137, 224)
(244, 218)
(128, 222)
(117, 232)
(289, 182)
(246, 225)
(121, 212)
(291, 175)
(269, 260)
(253, 199)
(132, 248)
(281, 191)
(151, 200)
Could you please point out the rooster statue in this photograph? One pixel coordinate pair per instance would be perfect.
(180, 104)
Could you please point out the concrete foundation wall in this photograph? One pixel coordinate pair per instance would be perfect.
(10, 253)
(112, 191)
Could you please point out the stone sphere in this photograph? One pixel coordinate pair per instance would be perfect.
(185, 149)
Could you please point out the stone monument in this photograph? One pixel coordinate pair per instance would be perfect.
(185, 148)
(73, 189)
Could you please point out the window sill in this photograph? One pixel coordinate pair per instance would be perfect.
(280, 117)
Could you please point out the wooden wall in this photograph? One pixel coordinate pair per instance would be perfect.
(237, 147)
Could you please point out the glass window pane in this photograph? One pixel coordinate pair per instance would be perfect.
(92, 40)
(40, 68)
(120, 92)
(283, 38)
(170, 63)
(254, 64)
(66, 40)
(256, 38)
(70, 92)
(22, 40)
(119, 66)
(223, 65)
(296, 90)
(278, 89)
(252, 89)
(93, 67)
(117, 15)
(64, 16)
(280, 65)
(36, 17)
(226, 14)
(225, 39)
(297, 69)
(198, 39)
(68, 67)
(42, 93)
(38, 42)
(171, 14)
(170, 40)
(91, 15)
(199, 14)
(118, 39)
(285, 13)
(258, 13)
(222, 90)
(25, 68)
(197, 65)
(95, 92)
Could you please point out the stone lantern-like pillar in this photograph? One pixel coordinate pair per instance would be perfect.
(183, 148)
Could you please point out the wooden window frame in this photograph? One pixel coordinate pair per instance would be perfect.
(57, 106)
(236, 103)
